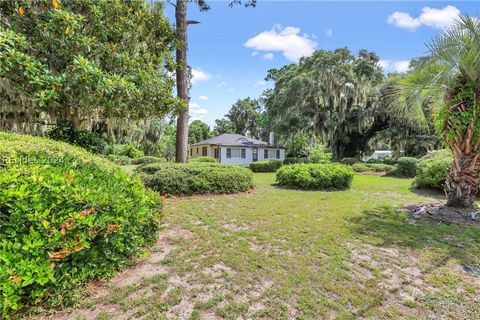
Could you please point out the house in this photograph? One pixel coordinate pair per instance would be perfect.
(379, 155)
(237, 149)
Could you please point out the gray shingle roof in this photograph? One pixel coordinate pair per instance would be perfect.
(230, 139)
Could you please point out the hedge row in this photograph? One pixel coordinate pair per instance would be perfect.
(265, 165)
(66, 217)
(202, 159)
(146, 160)
(196, 178)
(332, 176)
(372, 167)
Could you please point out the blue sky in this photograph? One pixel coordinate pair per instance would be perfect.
(231, 49)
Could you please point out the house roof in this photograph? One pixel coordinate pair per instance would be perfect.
(230, 139)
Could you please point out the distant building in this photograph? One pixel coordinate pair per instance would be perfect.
(379, 155)
(237, 149)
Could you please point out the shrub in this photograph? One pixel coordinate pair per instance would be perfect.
(432, 169)
(331, 176)
(202, 159)
(91, 141)
(349, 161)
(406, 167)
(318, 154)
(374, 161)
(292, 160)
(196, 178)
(66, 216)
(372, 167)
(265, 165)
(120, 160)
(390, 161)
(146, 160)
(127, 150)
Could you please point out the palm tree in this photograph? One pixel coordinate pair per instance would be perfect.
(449, 79)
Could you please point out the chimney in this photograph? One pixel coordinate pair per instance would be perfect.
(271, 138)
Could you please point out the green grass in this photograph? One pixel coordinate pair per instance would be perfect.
(278, 253)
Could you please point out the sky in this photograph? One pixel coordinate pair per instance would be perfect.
(232, 48)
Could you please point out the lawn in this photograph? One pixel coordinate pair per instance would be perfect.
(277, 253)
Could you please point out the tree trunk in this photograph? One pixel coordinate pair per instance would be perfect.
(182, 81)
(463, 179)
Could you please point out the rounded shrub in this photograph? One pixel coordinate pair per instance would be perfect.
(146, 160)
(196, 178)
(406, 167)
(331, 176)
(265, 165)
(120, 160)
(66, 216)
(349, 161)
(374, 161)
(432, 169)
(203, 159)
(372, 167)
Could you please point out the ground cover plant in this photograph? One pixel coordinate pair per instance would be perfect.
(265, 165)
(196, 178)
(280, 253)
(66, 217)
(332, 176)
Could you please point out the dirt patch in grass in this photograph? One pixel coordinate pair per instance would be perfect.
(444, 214)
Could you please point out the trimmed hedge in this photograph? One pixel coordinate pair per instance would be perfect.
(66, 216)
(146, 160)
(349, 161)
(203, 159)
(331, 176)
(196, 178)
(265, 165)
(372, 167)
(432, 169)
(406, 167)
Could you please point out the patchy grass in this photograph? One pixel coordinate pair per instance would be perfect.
(281, 254)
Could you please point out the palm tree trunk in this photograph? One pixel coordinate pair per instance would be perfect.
(463, 179)
(182, 81)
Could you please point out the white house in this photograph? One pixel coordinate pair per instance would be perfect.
(237, 149)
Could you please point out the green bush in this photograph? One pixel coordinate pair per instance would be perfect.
(127, 150)
(120, 160)
(372, 167)
(390, 161)
(349, 161)
(374, 161)
(146, 160)
(91, 141)
(293, 160)
(318, 154)
(406, 167)
(66, 216)
(265, 165)
(196, 178)
(202, 159)
(432, 169)
(331, 176)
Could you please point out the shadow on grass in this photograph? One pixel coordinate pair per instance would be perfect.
(390, 227)
(433, 193)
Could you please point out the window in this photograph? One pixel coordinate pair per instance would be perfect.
(244, 154)
(191, 152)
(265, 153)
(204, 151)
(229, 153)
(197, 150)
(216, 153)
(278, 154)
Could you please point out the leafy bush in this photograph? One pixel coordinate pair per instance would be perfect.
(432, 169)
(265, 165)
(331, 176)
(349, 161)
(146, 160)
(374, 161)
(127, 150)
(202, 159)
(196, 178)
(390, 161)
(66, 216)
(91, 141)
(120, 160)
(406, 167)
(319, 154)
(372, 167)
(292, 160)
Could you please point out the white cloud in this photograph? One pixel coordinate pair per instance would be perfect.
(221, 84)
(288, 41)
(203, 98)
(261, 83)
(197, 112)
(255, 53)
(268, 56)
(329, 32)
(395, 65)
(199, 75)
(431, 17)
